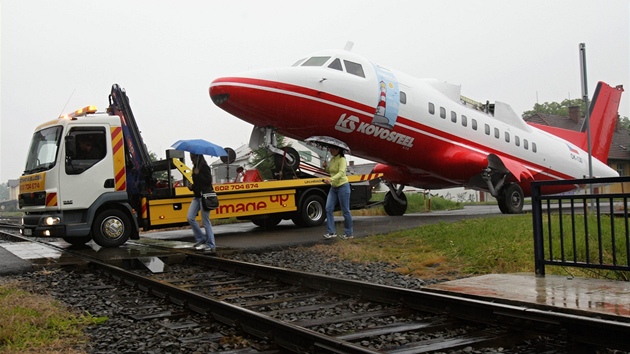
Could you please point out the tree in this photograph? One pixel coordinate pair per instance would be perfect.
(560, 109)
(4, 191)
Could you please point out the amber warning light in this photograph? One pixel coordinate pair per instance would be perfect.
(79, 112)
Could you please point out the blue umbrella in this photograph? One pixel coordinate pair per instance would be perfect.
(200, 147)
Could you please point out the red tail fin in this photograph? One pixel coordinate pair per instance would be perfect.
(603, 115)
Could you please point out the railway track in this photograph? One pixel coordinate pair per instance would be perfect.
(310, 313)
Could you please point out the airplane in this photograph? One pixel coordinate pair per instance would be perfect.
(421, 132)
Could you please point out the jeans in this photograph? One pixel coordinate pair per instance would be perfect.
(208, 238)
(341, 194)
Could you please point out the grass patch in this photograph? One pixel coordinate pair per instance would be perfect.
(498, 244)
(33, 323)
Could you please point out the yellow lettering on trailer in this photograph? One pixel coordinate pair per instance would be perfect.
(255, 204)
(175, 210)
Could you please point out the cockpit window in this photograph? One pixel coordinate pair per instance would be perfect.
(354, 68)
(336, 64)
(316, 61)
(297, 63)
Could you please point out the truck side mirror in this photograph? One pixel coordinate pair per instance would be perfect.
(71, 147)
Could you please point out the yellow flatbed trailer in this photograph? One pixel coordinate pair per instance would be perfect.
(265, 203)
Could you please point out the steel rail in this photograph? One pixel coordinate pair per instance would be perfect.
(605, 332)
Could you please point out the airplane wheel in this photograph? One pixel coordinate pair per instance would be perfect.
(511, 199)
(312, 212)
(111, 228)
(392, 206)
(278, 159)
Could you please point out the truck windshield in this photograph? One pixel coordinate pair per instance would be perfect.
(42, 154)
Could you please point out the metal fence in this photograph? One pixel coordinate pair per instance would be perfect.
(586, 229)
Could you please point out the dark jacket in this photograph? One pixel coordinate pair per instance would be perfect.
(202, 181)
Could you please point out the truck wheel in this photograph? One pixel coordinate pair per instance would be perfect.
(267, 222)
(78, 241)
(111, 228)
(312, 212)
(392, 206)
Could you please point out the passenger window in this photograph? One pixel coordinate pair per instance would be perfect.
(336, 64)
(403, 97)
(431, 108)
(525, 144)
(487, 128)
(84, 148)
(507, 137)
(464, 121)
(354, 68)
(474, 124)
(517, 140)
(534, 147)
(442, 112)
(497, 134)
(453, 117)
(316, 61)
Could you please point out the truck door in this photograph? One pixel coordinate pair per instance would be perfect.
(88, 166)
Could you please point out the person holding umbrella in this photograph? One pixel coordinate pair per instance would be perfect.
(202, 183)
(339, 192)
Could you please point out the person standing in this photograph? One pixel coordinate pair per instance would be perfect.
(240, 174)
(339, 192)
(202, 183)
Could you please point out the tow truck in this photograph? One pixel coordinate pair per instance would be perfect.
(89, 176)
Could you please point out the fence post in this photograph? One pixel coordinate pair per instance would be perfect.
(539, 248)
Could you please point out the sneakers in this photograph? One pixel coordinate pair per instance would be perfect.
(201, 247)
(210, 250)
(198, 244)
(343, 237)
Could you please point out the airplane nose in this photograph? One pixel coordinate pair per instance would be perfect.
(218, 93)
(219, 99)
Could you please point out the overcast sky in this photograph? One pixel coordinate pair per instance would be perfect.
(58, 56)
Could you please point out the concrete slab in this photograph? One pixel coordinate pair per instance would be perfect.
(10, 264)
(590, 296)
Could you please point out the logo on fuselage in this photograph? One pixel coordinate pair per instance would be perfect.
(349, 124)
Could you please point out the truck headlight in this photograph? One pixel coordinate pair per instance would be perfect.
(52, 220)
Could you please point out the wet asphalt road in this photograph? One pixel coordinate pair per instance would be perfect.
(247, 236)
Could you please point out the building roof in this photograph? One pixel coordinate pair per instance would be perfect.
(619, 146)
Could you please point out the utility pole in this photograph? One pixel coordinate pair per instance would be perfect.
(587, 122)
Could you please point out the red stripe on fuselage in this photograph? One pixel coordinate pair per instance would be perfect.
(300, 115)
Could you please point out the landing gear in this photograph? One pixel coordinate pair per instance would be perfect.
(395, 202)
(288, 160)
(510, 199)
(509, 196)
